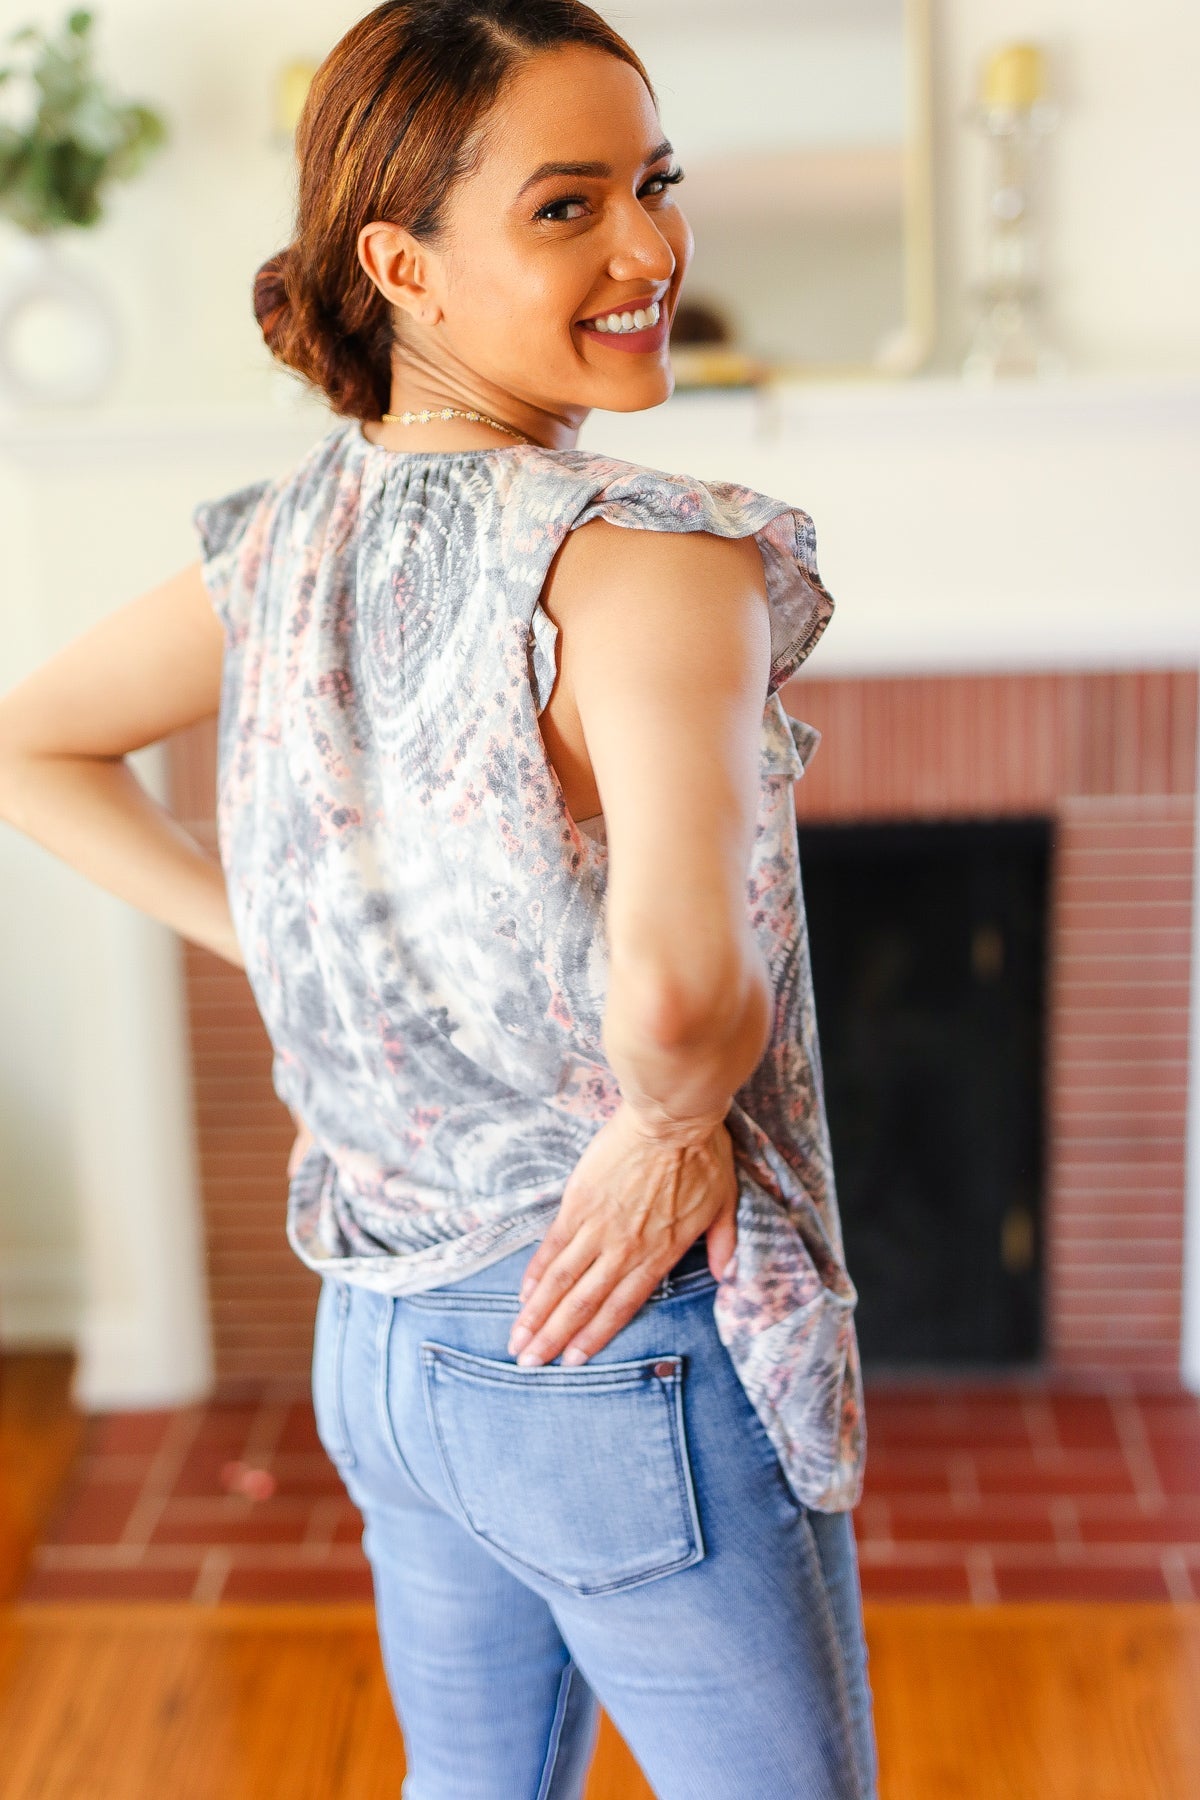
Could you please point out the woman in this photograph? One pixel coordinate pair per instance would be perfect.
(508, 850)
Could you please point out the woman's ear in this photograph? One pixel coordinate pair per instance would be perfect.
(400, 268)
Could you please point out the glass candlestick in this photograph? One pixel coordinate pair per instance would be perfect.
(291, 91)
(1010, 336)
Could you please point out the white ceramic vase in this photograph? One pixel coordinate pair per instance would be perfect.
(60, 333)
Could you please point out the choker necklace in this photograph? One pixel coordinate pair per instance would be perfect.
(449, 412)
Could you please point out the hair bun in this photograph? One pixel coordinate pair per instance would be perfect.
(272, 297)
(308, 336)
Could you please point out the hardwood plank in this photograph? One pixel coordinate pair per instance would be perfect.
(40, 1434)
(1071, 1702)
(1065, 1702)
(117, 1703)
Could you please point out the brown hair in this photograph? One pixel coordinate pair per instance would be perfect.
(391, 121)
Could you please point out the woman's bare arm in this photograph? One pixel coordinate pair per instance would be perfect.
(666, 649)
(666, 643)
(148, 669)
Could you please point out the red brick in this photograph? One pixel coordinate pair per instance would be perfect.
(200, 1471)
(938, 1425)
(93, 1513)
(348, 1527)
(1176, 1522)
(299, 1585)
(1102, 1316)
(1084, 1422)
(1118, 1021)
(1170, 830)
(1075, 1472)
(1104, 1358)
(271, 1521)
(299, 1431)
(225, 1427)
(915, 1581)
(303, 1473)
(891, 1471)
(916, 1520)
(109, 1584)
(1171, 1416)
(1080, 1581)
(1177, 1466)
(1121, 1087)
(1117, 1224)
(124, 1432)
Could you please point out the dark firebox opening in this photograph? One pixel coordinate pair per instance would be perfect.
(928, 946)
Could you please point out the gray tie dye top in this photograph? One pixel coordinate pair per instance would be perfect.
(423, 921)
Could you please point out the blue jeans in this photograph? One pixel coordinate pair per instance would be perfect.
(543, 1540)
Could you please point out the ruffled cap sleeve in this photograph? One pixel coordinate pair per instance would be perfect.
(800, 605)
(233, 532)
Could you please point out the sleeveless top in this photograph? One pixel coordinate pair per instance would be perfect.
(423, 921)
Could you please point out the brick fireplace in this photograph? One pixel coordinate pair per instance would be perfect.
(1110, 760)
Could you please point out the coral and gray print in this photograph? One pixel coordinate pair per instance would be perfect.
(422, 919)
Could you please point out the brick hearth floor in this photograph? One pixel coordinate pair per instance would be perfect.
(980, 1491)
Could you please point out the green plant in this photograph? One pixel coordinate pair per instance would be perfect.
(52, 170)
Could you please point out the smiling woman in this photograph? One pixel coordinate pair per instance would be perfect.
(559, 1091)
(488, 252)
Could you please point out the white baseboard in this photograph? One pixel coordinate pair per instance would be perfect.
(40, 1299)
(125, 1364)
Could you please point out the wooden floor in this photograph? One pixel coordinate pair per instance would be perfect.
(122, 1701)
(40, 1436)
(1012, 1702)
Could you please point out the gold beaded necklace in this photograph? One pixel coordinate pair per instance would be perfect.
(449, 412)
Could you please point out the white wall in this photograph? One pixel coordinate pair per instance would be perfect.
(99, 1214)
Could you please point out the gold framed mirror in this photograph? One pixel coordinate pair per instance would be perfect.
(804, 130)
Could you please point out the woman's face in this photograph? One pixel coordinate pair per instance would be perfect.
(529, 256)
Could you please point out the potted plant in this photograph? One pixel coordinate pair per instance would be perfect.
(56, 161)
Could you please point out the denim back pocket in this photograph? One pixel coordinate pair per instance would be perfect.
(580, 1475)
(328, 1367)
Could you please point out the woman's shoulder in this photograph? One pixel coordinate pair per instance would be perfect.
(224, 521)
(623, 564)
(585, 486)
(640, 494)
(244, 532)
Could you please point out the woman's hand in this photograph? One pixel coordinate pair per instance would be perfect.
(631, 1208)
(301, 1146)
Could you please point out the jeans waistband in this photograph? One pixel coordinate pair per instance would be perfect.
(694, 1257)
(504, 1276)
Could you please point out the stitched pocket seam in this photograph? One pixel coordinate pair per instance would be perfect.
(383, 1389)
(442, 1300)
(342, 1454)
(432, 1353)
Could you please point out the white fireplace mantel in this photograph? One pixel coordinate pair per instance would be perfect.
(1026, 527)
(1029, 526)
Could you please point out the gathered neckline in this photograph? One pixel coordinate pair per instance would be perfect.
(354, 431)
